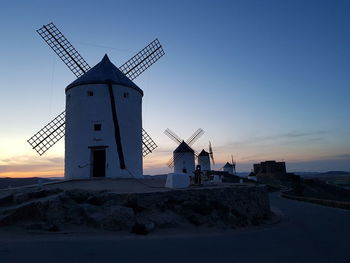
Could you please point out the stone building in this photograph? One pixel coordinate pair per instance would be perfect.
(270, 168)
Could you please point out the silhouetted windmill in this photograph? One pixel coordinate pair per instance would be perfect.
(230, 167)
(114, 80)
(183, 156)
(204, 158)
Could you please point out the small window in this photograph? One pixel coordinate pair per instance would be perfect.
(97, 127)
(90, 93)
(126, 94)
(68, 97)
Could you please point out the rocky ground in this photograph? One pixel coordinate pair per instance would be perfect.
(56, 209)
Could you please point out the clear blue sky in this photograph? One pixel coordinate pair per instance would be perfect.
(264, 79)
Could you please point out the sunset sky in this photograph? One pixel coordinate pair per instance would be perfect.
(266, 80)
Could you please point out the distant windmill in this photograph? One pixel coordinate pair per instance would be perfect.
(102, 123)
(183, 156)
(204, 158)
(230, 167)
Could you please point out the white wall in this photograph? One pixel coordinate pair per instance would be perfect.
(83, 111)
(184, 160)
(228, 169)
(204, 162)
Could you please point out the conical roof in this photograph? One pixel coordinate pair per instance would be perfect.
(103, 73)
(203, 153)
(183, 148)
(227, 165)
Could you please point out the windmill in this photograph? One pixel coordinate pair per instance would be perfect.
(230, 167)
(204, 158)
(183, 156)
(93, 102)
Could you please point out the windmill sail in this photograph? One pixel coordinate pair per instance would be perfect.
(172, 135)
(190, 141)
(142, 60)
(148, 145)
(64, 49)
(48, 135)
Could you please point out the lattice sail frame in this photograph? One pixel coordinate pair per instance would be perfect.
(172, 135)
(142, 60)
(45, 139)
(64, 49)
(190, 141)
(148, 145)
(49, 135)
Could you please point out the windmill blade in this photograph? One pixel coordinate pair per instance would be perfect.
(195, 137)
(148, 145)
(212, 159)
(211, 154)
(210, 149)
(49, 135)
(142, 60)
(172, 135)
(171, 162)
(64, 49)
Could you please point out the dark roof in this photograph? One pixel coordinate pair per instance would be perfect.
(103, 73)
(228, 165)
(203, 153)
(183, 148)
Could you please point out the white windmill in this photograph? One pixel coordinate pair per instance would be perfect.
(204, 159)
(102, 123)
(230, 167)
(183, 160)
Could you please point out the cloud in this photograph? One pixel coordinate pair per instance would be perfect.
(339, 156)
(301, 134)
(282, 138)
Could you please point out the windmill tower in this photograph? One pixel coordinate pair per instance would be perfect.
(204, 159)
(102, 123)
(230, 167)
(183, 160)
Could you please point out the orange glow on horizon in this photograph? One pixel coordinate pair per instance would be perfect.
(58, 173)
(32, 166)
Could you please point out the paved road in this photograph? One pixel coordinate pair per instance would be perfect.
(311, 233)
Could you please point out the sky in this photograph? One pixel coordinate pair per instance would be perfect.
(265, 80)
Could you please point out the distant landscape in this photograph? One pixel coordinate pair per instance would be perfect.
(339, 178)
(328, 174)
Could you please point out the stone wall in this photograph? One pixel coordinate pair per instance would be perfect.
(54, 210)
